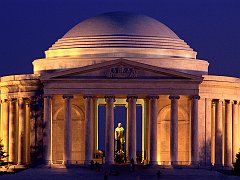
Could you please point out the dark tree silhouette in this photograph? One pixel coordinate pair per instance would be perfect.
(36, 121)
(236, 165)
(3, 154)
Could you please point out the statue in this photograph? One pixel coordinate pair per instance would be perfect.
(119, 137)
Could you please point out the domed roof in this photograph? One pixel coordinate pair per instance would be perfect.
(114, 35)
(120, 35)
(121, 23)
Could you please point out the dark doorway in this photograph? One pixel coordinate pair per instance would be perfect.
(120, 115)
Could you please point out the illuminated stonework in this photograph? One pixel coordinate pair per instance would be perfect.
(119, 58)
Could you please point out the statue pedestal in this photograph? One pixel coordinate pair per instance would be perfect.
(119, 157)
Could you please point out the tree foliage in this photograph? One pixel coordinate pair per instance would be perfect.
(3, 154)
(236, 165)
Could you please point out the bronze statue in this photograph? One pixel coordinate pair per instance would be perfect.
(119, 137)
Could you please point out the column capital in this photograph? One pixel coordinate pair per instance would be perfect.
(20, 98)
(197, 97)
(174, 97)
(4, 101)
(209, 99)
(220, 100)
(229, 101)
(67, 96)
(213, 103)
(48, 96)
(109, 97)
(150, 97)
(131, 97)
(88, 97)
(12, 99)
(30, 99)
(26, 99)
(235, 102)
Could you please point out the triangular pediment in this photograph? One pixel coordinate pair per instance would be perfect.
(120, 69)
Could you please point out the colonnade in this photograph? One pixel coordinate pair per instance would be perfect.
(109, 132)
(15, 129)
(224, 114)
(225, 117)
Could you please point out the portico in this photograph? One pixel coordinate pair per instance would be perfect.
(131, 135)
(104, 91)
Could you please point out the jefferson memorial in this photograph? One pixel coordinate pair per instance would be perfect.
(120, 58)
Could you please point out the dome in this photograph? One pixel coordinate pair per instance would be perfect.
(120, 34)
(121, 23)
(114, 35)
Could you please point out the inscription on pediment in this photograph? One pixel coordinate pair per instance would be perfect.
(121, 72)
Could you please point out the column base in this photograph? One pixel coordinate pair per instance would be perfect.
(228, 165)
(194, 163)
(218, 166)
(153, 163)
(221, 167)
(20, 166)
(66, 162)
(174, 163)
(47, 162)
(87, 162)
(109, 162)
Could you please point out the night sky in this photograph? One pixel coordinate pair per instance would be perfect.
(210, 27)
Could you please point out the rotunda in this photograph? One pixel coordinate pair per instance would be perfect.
(121, 35)
(120, 59)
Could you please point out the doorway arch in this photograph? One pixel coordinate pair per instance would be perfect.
(78, 146)
(163, 129)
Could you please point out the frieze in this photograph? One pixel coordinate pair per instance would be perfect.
(121, 72)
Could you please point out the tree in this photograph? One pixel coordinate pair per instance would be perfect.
(3, 154)
(236, 165)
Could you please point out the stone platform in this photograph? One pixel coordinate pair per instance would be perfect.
(118, 172)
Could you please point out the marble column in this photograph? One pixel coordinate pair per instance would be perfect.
(238, 126)
(22, 132)
(213, 132)
(194, 130)
(28, 130)
(144, 135)
(67, 151)
(235, 132)
(109, 131)
(174, 130)
(218, 133)
(208, 110)
(47, 130)
(12, 131)
(153, 129)
(132, 134)
(228, 135)
(5, 125)
(95, 124)
(88, 129)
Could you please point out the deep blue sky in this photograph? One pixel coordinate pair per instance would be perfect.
(210, 27)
